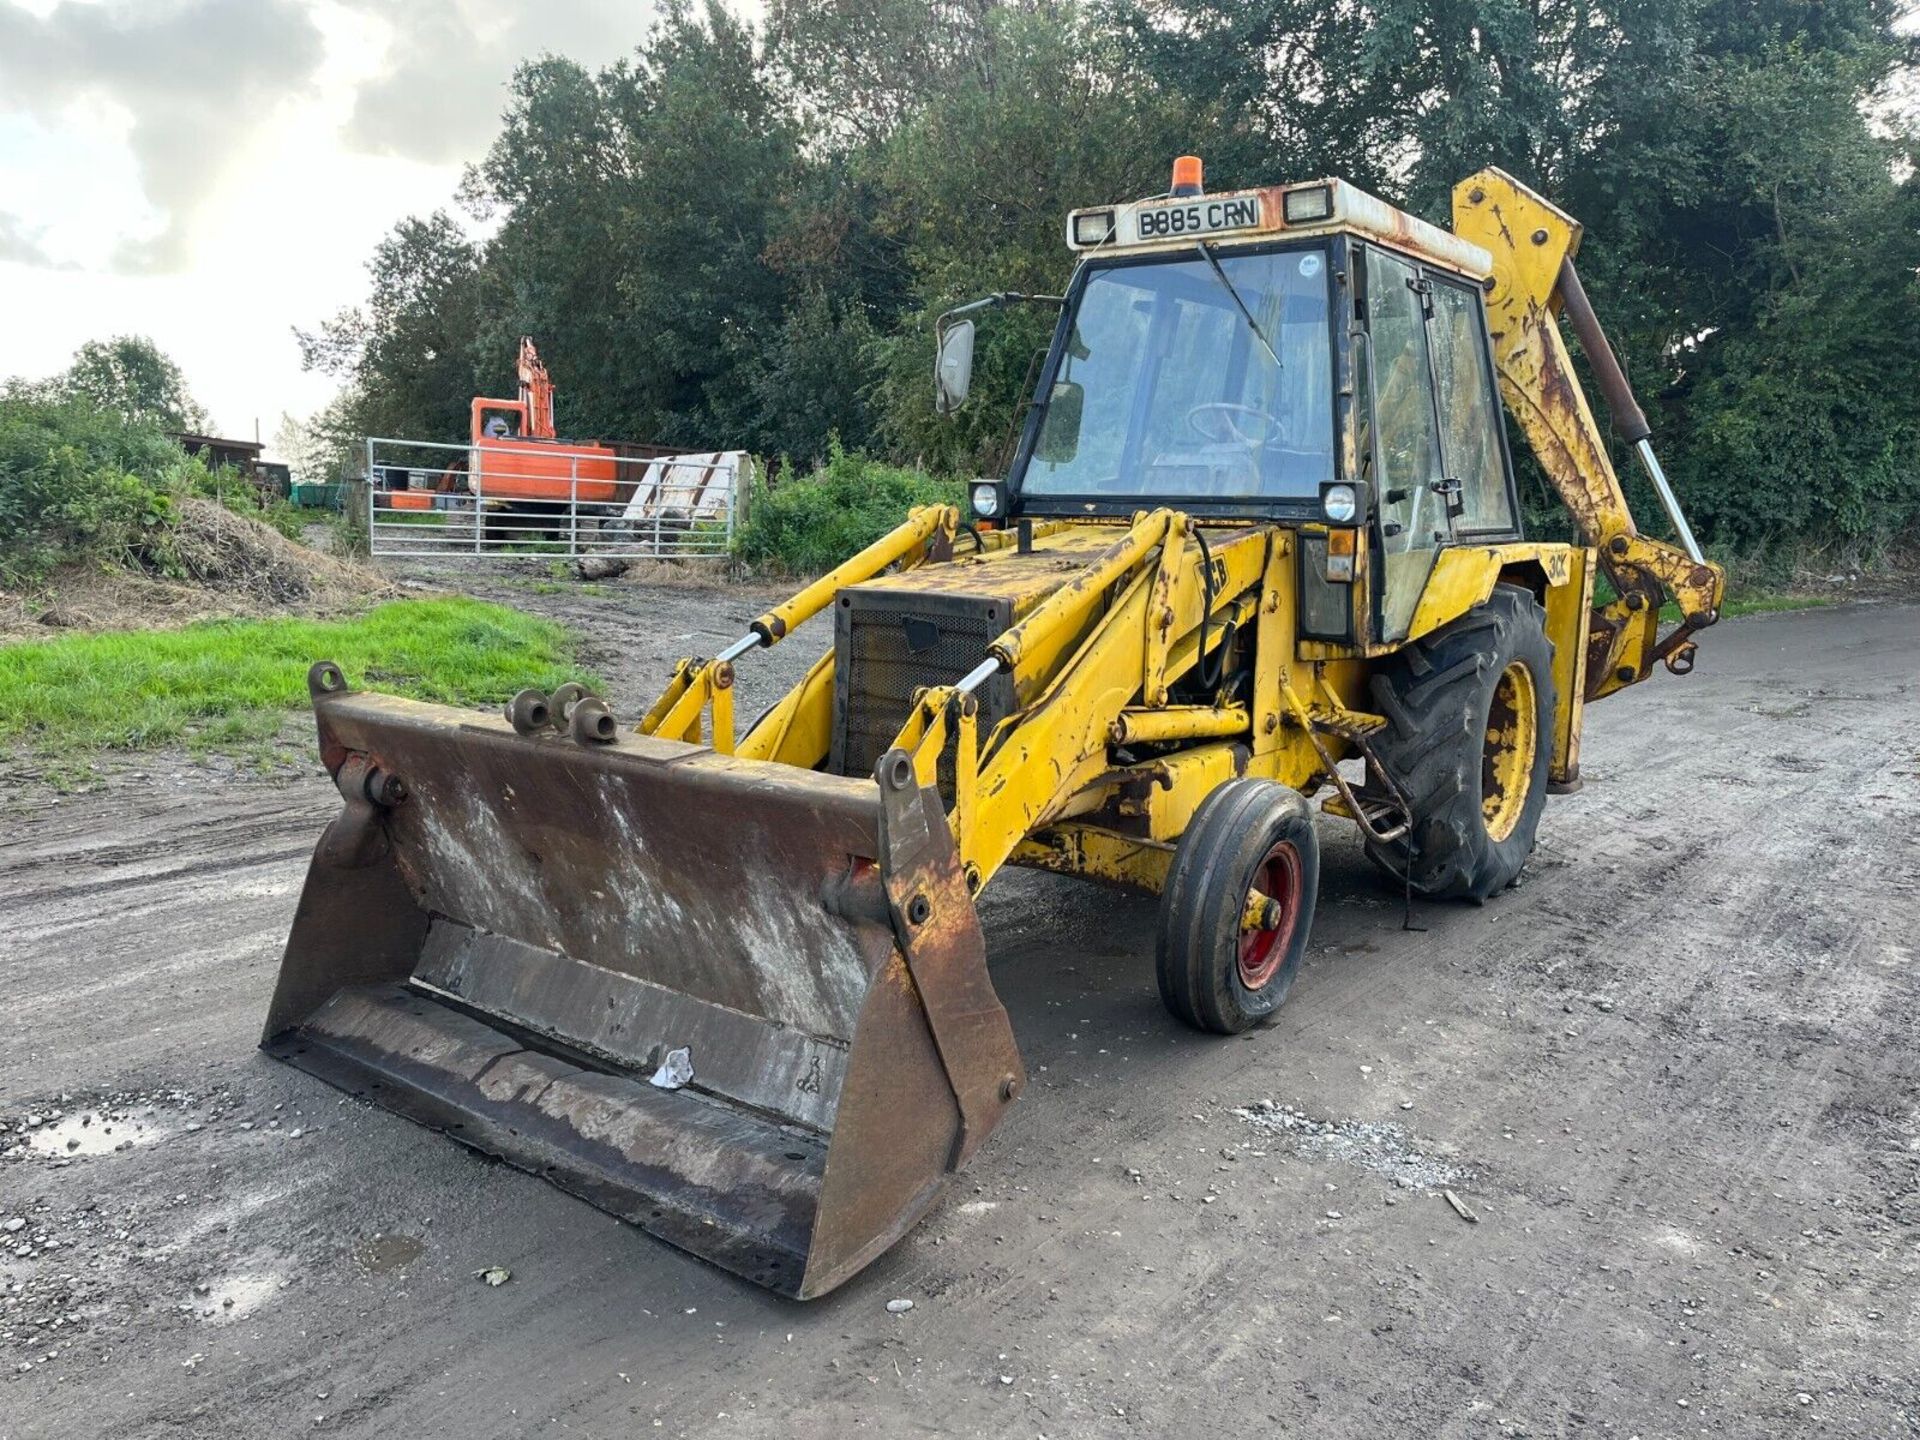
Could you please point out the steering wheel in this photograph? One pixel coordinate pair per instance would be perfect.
(1225, 412)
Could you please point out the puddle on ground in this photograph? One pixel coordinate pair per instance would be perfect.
(1377, 1145)
(90, 1132)
(236, 1296)
(384, 1253)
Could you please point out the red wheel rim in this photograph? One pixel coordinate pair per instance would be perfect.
(1261, 951)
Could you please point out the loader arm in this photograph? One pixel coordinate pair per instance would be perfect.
(1533, 243)
(1152, 618)
(1102, 650)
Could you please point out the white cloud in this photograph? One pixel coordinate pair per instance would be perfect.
(189, 76)
(20, 243)
(439, 93)
(213, 173)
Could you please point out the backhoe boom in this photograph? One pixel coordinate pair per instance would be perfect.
(1533, 243)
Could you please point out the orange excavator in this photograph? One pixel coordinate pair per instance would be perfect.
(515, 455)
(527, 484)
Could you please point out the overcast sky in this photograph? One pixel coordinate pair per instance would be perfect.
(215, 172)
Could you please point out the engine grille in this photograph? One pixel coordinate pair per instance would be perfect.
(889, 643)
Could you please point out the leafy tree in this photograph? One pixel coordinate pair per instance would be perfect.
(637, 207)
(721, 241)
(1795, 415)
(858, 70)
(980, 183)
(135, 379)
(805, 386)
(414, 358)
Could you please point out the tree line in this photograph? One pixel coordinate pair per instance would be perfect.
(740, 236)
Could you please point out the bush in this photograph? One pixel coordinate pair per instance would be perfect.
(78, 481)
(809, 524)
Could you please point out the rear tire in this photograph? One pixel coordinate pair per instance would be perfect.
(1247, 835)
(1469, 735)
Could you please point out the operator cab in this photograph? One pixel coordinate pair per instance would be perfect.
(1304, 355)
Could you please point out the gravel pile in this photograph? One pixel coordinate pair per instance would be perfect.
(1381, 1146)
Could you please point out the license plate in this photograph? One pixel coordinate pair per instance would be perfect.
(1197, 217)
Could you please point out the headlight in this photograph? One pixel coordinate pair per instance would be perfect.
(1340, 503)
(1303, 207)
(986, 500)
(1092, 227)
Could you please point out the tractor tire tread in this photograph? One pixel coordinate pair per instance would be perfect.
(1434, 695)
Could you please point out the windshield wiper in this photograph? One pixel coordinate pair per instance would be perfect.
(1252, 324)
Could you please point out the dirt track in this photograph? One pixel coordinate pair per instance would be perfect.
(1676, 1076)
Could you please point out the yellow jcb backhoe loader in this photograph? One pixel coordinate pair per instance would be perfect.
(732, 986)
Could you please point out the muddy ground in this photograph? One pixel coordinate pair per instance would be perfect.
(1675, 1077)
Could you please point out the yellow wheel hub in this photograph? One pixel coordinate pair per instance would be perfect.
(1513, 738)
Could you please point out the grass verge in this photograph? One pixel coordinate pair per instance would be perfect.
(230, 684)
(1764, 602)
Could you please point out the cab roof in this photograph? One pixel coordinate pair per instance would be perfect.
(1232, 218)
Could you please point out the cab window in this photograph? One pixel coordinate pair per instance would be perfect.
(1469, 414)
(1184, 381)
(1405, 439)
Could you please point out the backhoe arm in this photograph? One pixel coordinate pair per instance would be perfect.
(1533, 244)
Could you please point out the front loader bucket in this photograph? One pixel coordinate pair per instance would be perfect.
(504, 936)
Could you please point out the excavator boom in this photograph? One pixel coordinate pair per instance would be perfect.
(536, 391)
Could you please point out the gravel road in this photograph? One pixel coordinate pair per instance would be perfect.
(1674, 1078)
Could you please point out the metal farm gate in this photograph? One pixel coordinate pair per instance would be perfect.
(518, 498)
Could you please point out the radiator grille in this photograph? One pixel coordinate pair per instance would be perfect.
(890, 644)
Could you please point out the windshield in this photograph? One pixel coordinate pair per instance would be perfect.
(1166, 388)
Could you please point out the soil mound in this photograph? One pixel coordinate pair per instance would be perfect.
(234, 566)
(238, 555)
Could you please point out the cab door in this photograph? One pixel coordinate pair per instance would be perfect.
(1434, 437)
(1404, 439)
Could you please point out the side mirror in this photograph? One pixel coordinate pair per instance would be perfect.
(1059, 438)
(953, 368)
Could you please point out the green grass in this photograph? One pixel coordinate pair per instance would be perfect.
(1761, 602)
(229, 685)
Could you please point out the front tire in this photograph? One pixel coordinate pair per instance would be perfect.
(1469, 736)
(1248, 838)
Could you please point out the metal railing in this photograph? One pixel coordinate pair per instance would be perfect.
(510, 497)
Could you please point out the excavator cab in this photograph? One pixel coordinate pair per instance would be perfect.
(730, 983)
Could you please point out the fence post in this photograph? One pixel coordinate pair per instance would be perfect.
(573, 507)
(733, 496)
(373, 487)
